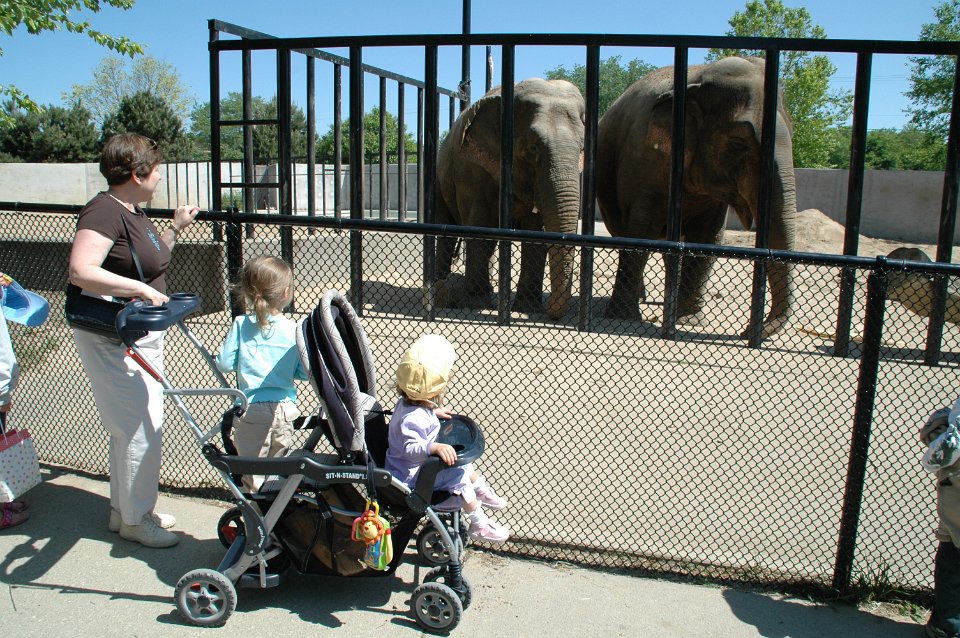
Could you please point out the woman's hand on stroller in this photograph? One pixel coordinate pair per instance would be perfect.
(446, 452)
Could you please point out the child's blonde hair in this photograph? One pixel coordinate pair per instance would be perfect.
(266, 284)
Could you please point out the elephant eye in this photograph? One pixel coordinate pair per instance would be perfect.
(739, 146)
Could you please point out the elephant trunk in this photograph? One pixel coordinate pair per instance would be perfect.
(559, 204)
(782, 237)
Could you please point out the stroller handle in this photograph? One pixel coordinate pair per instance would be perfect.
(138, 316)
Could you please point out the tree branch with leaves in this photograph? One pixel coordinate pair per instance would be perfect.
(39, 16)
(804, 77)
(614, 78)
(931, 78)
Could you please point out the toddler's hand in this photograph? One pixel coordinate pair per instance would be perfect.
(443, 413)
(446, 452)
(935, 426)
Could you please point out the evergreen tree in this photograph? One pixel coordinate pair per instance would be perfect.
(116, 78)
(54, 134)
(148, 115)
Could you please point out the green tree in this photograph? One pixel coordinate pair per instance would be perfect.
(53, 15)
(614, 78)
(931, 78)
(54, 134)
(371, 138)
(804, 77)
(231, 137)
(148, 115)
(116, 78)
(909, 149)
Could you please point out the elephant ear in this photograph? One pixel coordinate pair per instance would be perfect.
(480, 136)
(660, 125)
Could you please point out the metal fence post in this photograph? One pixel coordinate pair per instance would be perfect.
(862, 420)
(588, 202)
(851, 237)
(356, 176)
(215, 177)
(765, 196)
(948, 221)
(506, 181)
(234, 246)
(672, 260)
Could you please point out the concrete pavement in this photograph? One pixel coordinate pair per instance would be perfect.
(64, 574)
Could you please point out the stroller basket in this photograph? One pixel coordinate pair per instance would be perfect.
(301, 518)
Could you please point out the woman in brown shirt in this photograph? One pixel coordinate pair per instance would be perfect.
(129, 400)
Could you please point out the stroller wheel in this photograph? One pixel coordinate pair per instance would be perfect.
(436, 607)
(430, 546)
(230, 526)
(205, 597)
(439, 574)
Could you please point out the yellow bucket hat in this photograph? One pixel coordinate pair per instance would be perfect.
(425, 368)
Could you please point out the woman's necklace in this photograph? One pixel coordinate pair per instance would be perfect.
(129, 207)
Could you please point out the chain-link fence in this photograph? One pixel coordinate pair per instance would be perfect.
(616, 447)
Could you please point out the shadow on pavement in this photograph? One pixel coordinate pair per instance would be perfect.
(785, 618)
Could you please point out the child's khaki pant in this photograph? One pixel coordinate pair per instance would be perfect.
(265, 429)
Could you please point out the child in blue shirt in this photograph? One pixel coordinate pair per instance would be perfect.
(261, 348)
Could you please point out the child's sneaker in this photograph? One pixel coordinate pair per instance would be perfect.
(488, 497)
(488, 532)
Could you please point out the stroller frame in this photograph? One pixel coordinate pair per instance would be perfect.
(258, 554)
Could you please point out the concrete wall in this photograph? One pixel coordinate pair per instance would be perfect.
(190, 183)
(42, 265)
(897, 205)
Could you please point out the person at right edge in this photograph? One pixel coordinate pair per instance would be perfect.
(129, 400)
(941, 435)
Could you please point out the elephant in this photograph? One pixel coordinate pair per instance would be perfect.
(916, 291)
(721, 168)
(547, 161)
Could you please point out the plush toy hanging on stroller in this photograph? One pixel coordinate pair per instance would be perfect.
(310, 514)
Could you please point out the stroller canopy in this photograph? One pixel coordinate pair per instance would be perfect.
(335, 352)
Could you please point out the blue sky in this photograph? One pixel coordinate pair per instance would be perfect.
(46, 66)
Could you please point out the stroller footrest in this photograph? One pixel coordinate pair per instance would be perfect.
(252, 581)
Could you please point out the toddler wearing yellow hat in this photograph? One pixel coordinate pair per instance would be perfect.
(422, 377)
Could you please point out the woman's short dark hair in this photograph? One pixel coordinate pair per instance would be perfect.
(127, 154)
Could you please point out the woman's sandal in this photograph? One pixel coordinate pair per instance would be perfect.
(10, 518)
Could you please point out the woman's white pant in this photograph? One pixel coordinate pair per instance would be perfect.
(130, 403)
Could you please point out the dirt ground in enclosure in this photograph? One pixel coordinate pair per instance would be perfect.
(817, 233)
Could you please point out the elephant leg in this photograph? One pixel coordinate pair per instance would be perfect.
(533, 258)
(446, 253)
(446, 250)
(706, 228)
(561, 280)
(627, 286)
(478, 292)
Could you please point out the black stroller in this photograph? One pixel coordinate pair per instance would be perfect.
(302, 515)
